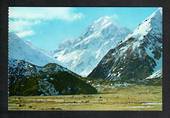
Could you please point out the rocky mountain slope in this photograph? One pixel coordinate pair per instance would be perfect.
(136, 57)
(26, 79)
(83, 54)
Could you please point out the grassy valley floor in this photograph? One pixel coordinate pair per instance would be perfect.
(131, 98)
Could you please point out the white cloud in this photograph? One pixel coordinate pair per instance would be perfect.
(38, 13)
(25, 33)
(19, 25)
(21, 19)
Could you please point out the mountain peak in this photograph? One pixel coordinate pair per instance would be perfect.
(156, 14)
(153, 22)
(102, 23)
(103, 20)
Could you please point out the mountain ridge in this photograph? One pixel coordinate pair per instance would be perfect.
(138, 56)
(26, 79)
(22, 50)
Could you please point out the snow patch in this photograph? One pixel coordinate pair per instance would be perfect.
(156, 74)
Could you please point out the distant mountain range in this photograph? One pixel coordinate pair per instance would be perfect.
(83, 54)
(136, 57)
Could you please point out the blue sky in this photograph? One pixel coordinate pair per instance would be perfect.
(47, 27)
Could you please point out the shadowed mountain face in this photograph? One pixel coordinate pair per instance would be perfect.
(136, 57)
(26, 79)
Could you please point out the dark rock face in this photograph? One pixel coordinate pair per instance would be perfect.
(131, 64)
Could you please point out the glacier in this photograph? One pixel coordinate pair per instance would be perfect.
(83, 54)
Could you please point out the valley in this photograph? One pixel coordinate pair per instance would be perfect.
(130, 98)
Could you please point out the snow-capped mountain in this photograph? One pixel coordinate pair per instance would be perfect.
(136, 57)
(52, 79)
(22, 50)
(83, 54)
